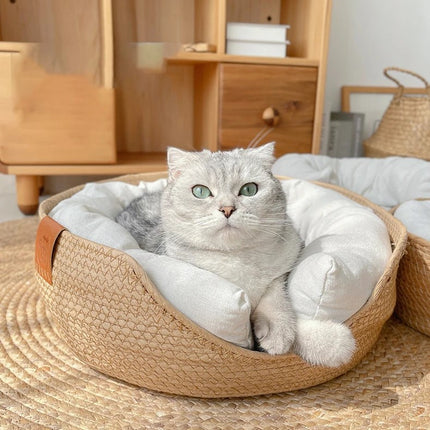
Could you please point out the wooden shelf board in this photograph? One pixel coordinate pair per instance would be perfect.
(14, 46)
(126, 163)
(195, 57)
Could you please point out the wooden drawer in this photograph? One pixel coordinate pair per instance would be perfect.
(247, 90)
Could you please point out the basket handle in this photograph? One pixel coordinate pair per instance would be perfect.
(402, 87)
(46, 238)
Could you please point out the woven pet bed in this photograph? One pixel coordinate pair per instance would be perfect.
(147, 342)
(413, 284)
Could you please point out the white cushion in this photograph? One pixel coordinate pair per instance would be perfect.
(346, 250)
(347, 247)
(415, 215)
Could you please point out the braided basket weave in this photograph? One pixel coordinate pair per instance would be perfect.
(413, 284)
(112, 317)
(404, 129)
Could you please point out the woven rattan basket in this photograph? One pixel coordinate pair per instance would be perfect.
(113, 318)
(413, 284)
(405, 126)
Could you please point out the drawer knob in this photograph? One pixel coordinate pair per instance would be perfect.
(271, 116)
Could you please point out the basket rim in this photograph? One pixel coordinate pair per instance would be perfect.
(149, 286)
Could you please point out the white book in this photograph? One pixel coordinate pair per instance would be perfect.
(257, 49)
(257, 32)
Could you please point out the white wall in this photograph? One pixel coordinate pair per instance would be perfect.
(367, 36)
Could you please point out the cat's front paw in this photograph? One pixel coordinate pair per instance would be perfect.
(276, 336)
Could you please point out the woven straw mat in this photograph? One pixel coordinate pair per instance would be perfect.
(43, 385)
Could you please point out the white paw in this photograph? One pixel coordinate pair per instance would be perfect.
(324, 343)
(275, 337)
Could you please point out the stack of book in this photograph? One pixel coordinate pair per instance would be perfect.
(260, 40)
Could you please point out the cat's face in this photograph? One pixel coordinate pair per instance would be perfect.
(222, 200)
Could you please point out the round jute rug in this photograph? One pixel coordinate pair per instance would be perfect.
(43, 386)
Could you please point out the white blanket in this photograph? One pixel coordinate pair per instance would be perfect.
(388, 182)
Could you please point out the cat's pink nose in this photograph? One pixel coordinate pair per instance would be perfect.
(227, 210)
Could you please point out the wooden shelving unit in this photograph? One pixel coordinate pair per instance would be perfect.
(104, 86)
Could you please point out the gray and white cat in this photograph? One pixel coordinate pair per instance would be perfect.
(226, 213)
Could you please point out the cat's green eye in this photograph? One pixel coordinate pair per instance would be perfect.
(250, 189)
(201, 192)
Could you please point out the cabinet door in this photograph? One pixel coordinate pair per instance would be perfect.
(56, 99)
(54, 118)
(247, 90)
(6, 114)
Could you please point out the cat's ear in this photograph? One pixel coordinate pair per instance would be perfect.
(176, 161)
(265, 153)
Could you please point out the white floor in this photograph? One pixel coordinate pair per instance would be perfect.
(53, 184)
(8, 207)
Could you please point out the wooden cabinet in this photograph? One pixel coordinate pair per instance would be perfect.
(61, 100)
(105, 86)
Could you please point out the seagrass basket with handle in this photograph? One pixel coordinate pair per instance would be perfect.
(110, 314)
(404, 129)
(413, 284)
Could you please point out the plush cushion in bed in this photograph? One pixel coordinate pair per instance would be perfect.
(346, 250)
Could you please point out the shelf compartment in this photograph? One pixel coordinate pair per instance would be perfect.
(167, 104)
(307, 19)
(169, 21)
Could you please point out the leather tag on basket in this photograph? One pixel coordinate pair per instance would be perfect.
(404, 129)
(46, 237)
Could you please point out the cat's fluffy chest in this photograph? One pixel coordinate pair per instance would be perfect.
(252, 269)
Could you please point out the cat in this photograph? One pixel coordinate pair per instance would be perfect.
(225, 212)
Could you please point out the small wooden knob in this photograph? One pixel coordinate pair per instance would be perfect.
(271, 116)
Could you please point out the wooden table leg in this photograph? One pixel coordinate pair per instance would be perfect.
(27, 193)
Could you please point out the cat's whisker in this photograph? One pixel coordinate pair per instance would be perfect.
(205, 222)
(271, 223)
(276, 233)
(260, 136)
